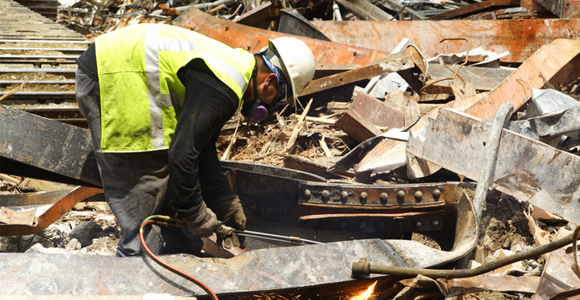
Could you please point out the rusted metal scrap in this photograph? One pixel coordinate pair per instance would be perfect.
(475, 8)
(562, 8)
(402, 61)
(45, 207)
(254, 39)
(520, 37)
(555, 62)
(560, 279)
(525, 168)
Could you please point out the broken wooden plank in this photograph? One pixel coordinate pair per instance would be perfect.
(253, 39)
(527, 169)
(404, 60)
(520, 37)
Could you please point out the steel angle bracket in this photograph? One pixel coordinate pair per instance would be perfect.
(376, 208)
(526, 169)
(51, 206)
(402, 61)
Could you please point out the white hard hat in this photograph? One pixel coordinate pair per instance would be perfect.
(296, 61)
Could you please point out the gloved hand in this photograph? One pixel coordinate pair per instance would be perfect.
(203, 223)
(230, 211)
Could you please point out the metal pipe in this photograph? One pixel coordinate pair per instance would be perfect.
(364, 268)
(503, 113)
(275, 237)
(336, 12)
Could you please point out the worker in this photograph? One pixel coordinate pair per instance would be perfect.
(155, 98)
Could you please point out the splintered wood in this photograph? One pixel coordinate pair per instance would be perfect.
(285, 140)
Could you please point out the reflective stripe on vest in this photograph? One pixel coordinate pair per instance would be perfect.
(154, 44)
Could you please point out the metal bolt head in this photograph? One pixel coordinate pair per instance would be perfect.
(325, 194)
(418, 223)
(399, 223)
(344, 195)
(384, 197)
(436, 194)
(307, 192)
(435, 223)
(380, 224)
(363, 196)
(418, 196)
(362, 224)
(342, 224)
(401, 194)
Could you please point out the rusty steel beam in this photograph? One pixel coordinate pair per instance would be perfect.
(553, 62)
(559, 280)
(537, 70)
(475, 8)
(527, 169)
(520, 37)
(60, 207)
(366, 115)
(37, 147)
(253, 39)
(404, 60)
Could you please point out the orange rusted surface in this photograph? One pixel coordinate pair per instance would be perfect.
(253, 39)
(55, 212)
(520, 37)
(536, 71)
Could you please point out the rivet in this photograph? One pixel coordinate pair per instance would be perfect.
(362, 224)
(401, 194)
(363, 196)
(323, 224)
(435, 223)
(384, 197)
(307, 193)
(436, 194)
(399, 223)
(380, 224)
(342, 224)
(418, 196)
(325, 194)
(344, 195)
(418, 223)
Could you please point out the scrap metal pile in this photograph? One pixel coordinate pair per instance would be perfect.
(435, 134)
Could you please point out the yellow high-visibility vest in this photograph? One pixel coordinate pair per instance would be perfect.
(141, 95)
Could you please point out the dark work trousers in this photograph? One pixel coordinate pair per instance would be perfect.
(135, 183)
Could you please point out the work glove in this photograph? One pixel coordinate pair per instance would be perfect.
(230, 211)
(203, 223)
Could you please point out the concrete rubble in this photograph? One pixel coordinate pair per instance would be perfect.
(437, 144)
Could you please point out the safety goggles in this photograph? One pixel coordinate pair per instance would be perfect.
(280, 78)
